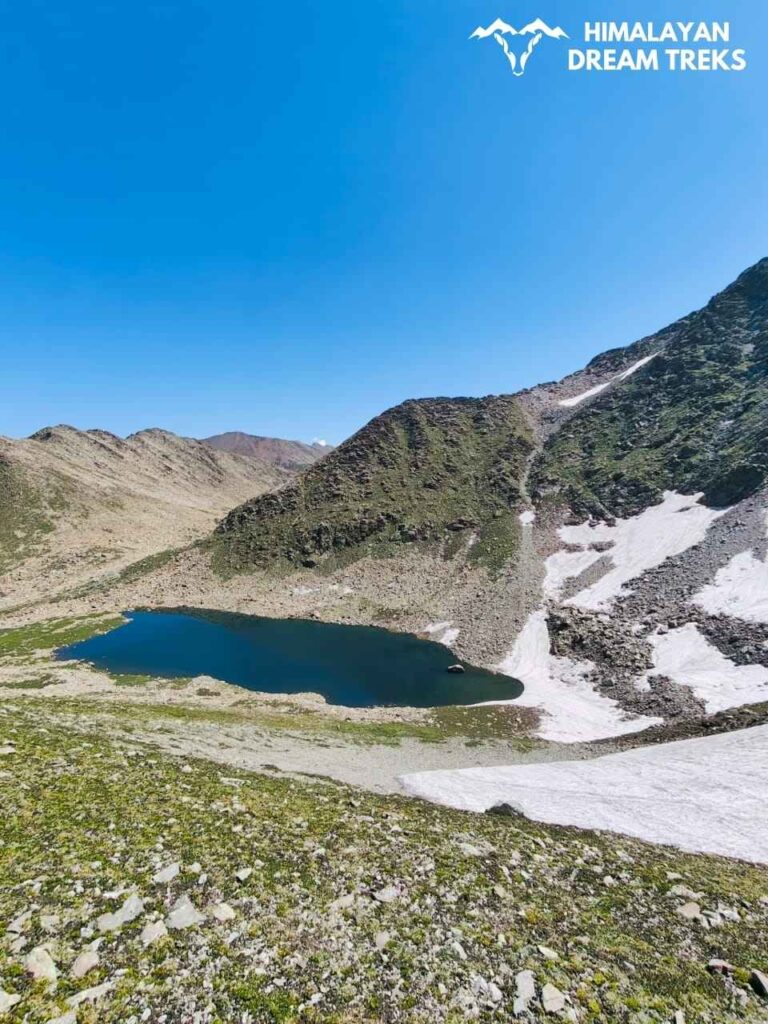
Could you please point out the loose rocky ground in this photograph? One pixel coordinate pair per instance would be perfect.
(138, 887)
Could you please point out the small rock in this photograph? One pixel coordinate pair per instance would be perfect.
(70, 1017)
(552, 999)
(184, 914)
(548, 954)
(525, 991)
(679, 1017)
(7, 1000)
(153, 931)
(223, 912)
(49, 922)
(166, 875)
(85, 962)
(40, 965)
(343, 902)
(382, 939)
(90, 995)
(19, 924)
(759, 983)
(130, 910)
(716, 966)
(387, 895)
(243, 874)
(690, 911)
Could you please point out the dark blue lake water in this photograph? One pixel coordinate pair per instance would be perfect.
(356, 666)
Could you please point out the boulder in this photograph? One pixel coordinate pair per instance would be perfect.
(40, 965)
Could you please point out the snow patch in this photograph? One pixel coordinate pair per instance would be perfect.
(573, 710)
(689, 659)
(703, 795)
(448, 634)
(739, 590)
(569, 403)
(633, 546)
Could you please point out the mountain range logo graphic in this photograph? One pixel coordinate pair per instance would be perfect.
(527, 39)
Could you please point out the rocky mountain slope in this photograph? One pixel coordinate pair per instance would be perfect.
(76, 504)
(291, 455)
(425, 471)
(603, 538)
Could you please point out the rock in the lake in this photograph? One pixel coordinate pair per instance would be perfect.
(456, 669)
(166, 874)
(552, 999)
(184, 914)
(153, 931)
(85, 962)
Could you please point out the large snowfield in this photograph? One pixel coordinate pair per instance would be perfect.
(702, 795)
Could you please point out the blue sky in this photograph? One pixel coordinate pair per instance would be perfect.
(286, 218)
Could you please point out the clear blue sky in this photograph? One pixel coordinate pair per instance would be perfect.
(284, 218)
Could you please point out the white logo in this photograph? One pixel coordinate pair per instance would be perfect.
(518, 56)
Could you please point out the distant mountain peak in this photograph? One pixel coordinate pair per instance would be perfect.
(292, 455)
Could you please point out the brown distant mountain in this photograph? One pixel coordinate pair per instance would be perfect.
(293, 455)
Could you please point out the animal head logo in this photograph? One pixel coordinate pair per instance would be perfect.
(518, 55)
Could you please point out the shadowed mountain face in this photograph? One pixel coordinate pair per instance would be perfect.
(418, 473)
(695, 419)
(291, 455)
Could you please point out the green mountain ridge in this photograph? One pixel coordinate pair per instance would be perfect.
(419, 472)
(695, 418)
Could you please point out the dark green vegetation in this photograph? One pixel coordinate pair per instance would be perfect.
(463, 901)
(695, 419)
(421, 473)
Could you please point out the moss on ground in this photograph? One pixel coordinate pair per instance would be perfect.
(23, 642)
(464, 902)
